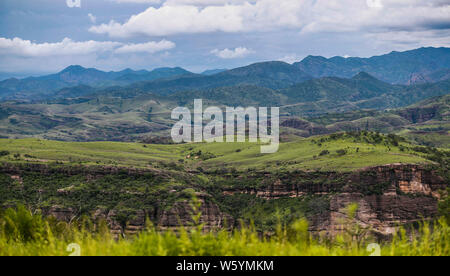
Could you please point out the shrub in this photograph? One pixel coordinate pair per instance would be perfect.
(444, 205)
(4, 153)
(325, 152)
(22, 233)
(22, 226)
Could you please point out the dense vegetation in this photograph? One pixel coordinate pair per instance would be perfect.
(336, 152)
(22, 233)
(131, 177)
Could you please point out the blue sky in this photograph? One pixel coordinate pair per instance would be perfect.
(45, 36)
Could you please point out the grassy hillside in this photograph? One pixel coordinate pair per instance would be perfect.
(340, 152)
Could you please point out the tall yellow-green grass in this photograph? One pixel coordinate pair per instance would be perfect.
(25, 234)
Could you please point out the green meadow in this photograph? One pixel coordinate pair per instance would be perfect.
(339, 152)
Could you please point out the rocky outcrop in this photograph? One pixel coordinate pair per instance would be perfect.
(310, 128)
(388, 196)
(381, 214)
(419, 115)
(181, 214)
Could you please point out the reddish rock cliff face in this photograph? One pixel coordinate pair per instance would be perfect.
(181, 214)
(419, 115)
(388, 196)
(178, 215)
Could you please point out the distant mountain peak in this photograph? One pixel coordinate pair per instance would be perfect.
(364, 75)
(73, 69)
(394, 68)
(311, 57)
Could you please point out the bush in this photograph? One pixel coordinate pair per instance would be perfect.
(325, 152)
(4, 153)
(22, 226)
(341, 152)
(285, 240)
(444, 205)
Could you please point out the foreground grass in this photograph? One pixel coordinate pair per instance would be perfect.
(23, 234)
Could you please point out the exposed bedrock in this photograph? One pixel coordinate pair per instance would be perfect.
(388, 196)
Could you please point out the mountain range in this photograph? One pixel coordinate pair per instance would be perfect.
(75, 75)
(424, 65)
(316, 106)
(395, 67)
(80, 104)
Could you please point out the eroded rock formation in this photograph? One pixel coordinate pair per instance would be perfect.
(387, 196)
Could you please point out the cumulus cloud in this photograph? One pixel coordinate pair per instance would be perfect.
(374, 4)
(73, 3)
(149, 47)
(291, 58)
(306, 16)
(68, 47)
(239, 52)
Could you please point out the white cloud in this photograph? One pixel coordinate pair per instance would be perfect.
(291, 58)
(26, 48)
(149, 47)
(92, 18)
(374, 4)
(306, 16)
(169, 20)
(73, 3)
(239, 52)
(67, 47)
(176, 17)
(403, 40)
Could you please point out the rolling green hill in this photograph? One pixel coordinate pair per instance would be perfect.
(328, 105)
(338, 152)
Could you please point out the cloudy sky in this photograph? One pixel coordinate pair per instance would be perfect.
(44, 36)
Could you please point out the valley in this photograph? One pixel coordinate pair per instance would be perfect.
(125, 183)
(94, 145)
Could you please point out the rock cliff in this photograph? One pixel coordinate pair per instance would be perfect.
(388, 196)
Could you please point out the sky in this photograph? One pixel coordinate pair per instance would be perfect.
(45, 36)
